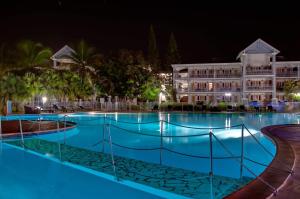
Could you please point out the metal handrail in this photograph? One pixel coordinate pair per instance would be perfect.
(21, 132)
(265, 149)
(258, 142)
(249, 170)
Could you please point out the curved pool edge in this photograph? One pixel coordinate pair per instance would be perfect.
(277, 172)
(40, 132)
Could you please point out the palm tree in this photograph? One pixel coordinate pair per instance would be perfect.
(6, 59)
(12, 87)
(32, 54)
(34, 85)
(83, 58)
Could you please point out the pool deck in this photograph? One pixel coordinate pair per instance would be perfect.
(287, 139)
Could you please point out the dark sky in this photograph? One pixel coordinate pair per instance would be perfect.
(205, 32)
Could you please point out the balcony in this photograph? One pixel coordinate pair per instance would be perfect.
(182, 90)
(227, 89)
(228, 75)
(257, 88)
(180, 75)
(201, 90)
(216, 90)
(280, 89)
(202, 76)
(259, 72)
(287, 74)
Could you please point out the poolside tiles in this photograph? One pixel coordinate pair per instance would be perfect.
(179, 181)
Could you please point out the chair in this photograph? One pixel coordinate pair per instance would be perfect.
(64, 109)
(31, 110)
(55, 107)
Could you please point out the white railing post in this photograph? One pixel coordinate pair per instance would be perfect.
(21, 132)
(242, 152)
(161, 140)
(59, 149)
(211, 163)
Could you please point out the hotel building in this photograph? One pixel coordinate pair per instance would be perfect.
(256, 77)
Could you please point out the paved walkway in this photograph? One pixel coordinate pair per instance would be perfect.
(184, 182)
(287, 139)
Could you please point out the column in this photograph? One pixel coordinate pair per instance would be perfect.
(274, 99)
(244, 62)
(189, 85)
(214, 85)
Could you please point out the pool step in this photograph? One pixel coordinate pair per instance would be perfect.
(180, 181)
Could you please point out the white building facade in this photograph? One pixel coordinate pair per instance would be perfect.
(257, 77)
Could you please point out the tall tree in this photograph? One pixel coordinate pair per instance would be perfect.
(13, 88)
(153, 52)
(32, 54)
(172, 55)
(83, 58)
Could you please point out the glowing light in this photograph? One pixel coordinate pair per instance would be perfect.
(44, 100)
(227, 94)
(116, 116)
(210, 86)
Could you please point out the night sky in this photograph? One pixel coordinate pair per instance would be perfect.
(205, 32)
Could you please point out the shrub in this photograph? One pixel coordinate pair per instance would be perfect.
(242, 107)
(222, 106)
(155, 107)
(214, 109)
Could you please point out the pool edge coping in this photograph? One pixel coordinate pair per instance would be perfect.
(249, 190)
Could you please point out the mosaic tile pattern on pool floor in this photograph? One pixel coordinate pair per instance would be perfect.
(180, 181)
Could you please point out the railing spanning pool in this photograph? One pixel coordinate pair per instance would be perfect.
(222, 154)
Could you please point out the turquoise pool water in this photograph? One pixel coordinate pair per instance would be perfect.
(134, 130)
(28, 176)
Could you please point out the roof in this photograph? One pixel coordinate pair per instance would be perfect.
(63, 53)
(259, 47)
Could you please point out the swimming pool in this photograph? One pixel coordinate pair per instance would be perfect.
(138, 131)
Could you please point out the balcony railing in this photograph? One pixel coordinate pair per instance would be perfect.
(201, 90)
(259, 72)
(216, 90)
(280, 89)
(177, 75)
(202, 76)
(227, 89)
(254, 88)
(228, 75)
(287, 74)
(182, 90)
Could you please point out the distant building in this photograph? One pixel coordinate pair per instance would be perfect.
(61, 59)
(257, 77)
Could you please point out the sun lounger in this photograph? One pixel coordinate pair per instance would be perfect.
(31, 110)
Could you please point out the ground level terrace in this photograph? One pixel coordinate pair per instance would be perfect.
(232, 97)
